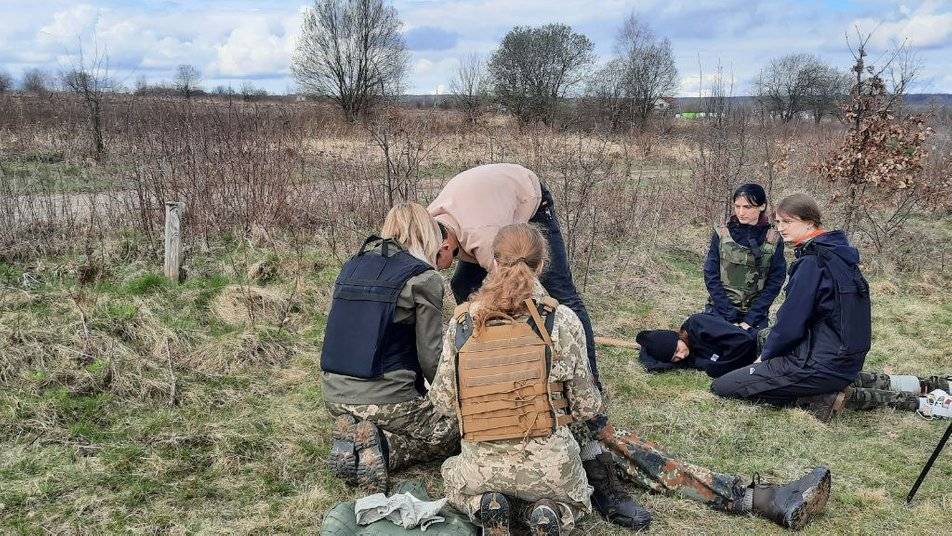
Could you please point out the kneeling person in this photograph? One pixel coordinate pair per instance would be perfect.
(515, 372)
(382, 340)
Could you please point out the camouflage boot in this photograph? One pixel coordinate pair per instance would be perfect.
(342, 460)
(795, 504)
(860, 398)
(826, 406)
(932, 383)
(494, 514)
(610, 498)
(544, 519)
(371, 457)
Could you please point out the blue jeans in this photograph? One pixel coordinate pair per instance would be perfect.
(557, 278)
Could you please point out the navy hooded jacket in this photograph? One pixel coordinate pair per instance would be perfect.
(825, 323)
(717, 347)
(743, 234)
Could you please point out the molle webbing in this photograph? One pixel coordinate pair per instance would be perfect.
(503, 387)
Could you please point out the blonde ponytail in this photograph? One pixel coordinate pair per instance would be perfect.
(520, 252)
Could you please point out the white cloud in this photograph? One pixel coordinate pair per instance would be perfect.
(929, 26)
(254, 48)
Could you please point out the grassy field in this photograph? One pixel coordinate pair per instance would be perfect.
(134, 405)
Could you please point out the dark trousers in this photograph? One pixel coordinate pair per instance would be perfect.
(777, 381)
(557, 277)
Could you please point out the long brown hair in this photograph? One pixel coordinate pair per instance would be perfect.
(520, 250)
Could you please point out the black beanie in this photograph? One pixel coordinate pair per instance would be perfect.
(660, 344)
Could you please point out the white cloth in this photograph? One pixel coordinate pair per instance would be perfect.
(402, 509)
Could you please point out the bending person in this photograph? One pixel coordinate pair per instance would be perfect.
(383, 338)
(745, 267)
(475, 204)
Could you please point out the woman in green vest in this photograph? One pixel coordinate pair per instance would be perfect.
(745, 267)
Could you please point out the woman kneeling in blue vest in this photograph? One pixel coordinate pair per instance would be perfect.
(383, 339)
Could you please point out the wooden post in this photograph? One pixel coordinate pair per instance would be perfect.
(173, 239)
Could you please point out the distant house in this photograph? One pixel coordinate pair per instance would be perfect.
(666, 104)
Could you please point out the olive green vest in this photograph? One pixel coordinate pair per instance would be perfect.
(744, 270)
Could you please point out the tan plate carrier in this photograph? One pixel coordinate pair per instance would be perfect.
(502, 378)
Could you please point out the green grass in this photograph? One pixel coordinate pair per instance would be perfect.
(92, 440)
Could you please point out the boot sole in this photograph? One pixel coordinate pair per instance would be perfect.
(371, 463)
(544, 522)
(814, 502)
(342, 460)
(494, 514)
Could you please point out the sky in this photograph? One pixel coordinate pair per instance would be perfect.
(233, 42)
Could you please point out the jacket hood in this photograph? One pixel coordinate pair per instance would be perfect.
(837, 243)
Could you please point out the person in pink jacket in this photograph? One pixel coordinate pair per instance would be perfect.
(475, 204)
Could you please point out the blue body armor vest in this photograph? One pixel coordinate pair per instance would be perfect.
(361, 339)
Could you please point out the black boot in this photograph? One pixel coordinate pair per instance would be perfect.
(610, 498)
(936, 382)
(544, 519)
(793, 505)
(826, 406)
(494, 514)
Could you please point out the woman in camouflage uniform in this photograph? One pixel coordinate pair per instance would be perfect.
(545, 471)
(382, 341)
(745, 267)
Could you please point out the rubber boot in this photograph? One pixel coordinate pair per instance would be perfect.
(932, 383)
(610, 498)
(342, 460)
(826, 406)
(494, 514)
(795, 504)
(544, 520)
(372, 457)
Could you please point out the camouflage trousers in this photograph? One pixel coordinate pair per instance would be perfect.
(415, 431)
(874, 390)
(646, 465)
(523, 471)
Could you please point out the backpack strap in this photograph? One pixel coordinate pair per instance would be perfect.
(543, 330)
(721, 230)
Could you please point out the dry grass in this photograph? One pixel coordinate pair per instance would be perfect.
(103, 446)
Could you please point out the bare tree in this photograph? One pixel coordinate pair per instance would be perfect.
(830, 89)
(187, 78)
(470, 87)
(35, 81)
(797, 83)
(89, 79)
(249, 92)
(534, 68)
(6, 82)
(351, 51)
(646, 66)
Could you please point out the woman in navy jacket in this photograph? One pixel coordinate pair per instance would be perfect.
(823, 331)
(745, 267)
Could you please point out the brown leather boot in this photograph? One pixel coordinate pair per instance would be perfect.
(826, 406)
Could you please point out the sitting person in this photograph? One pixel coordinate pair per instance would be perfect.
(515, 443)
(704, 342)
(745, 267)
(383, 339)
(823, 330)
